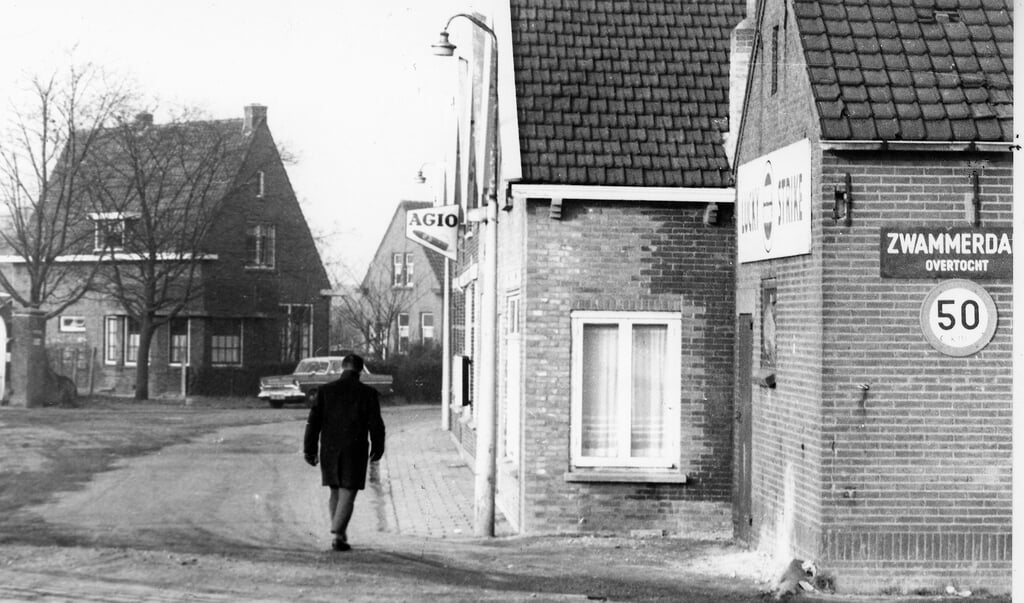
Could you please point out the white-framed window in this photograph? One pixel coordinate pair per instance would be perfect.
(427, 326)
(120, 340)
(625, 389)
(72, 324)
(112, 339)
(402, 272)
(131, 341)
(296, 332)
(178, 328)
(260, 245)
(260, 184)
(226, 341)
(109, 234)
(403, 332)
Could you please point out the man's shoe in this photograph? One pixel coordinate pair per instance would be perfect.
(338, 545)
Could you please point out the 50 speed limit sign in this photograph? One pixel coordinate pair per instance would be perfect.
(958, 317)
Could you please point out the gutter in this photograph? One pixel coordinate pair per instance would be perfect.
(916, 145)
(659, 194)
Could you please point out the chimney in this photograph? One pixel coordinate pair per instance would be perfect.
(254, 116)
(741, 47)
(144, 119)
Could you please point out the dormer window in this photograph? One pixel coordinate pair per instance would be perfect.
(260, 190)
(110, 230)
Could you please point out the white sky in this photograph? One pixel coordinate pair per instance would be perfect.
(350, 86)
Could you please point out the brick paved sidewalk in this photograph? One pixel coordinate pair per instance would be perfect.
(430, 486)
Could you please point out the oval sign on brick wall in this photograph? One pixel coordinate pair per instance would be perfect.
(958, 317)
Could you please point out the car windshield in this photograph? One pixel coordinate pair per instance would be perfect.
(312, 366)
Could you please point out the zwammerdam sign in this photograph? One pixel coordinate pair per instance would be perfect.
(435, 228)
(774, 204)
(950, 252)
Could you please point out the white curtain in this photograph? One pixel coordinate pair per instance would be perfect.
(649, 412)
(600, 380)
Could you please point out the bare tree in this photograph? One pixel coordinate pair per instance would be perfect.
(43, 147)
(153, 191)
(42, 158)
(369, 312)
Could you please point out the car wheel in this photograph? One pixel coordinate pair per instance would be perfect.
(277, 404)
(311, 398)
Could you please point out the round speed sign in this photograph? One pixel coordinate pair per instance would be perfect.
(958, 317)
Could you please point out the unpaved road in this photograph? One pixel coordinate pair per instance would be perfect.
(238, 487)
(235, 514)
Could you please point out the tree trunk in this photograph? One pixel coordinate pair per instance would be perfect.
(142, 363)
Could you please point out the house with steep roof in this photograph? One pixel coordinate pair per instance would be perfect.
(401, 291)
(615, 267)
(256, 303)
(874, 203)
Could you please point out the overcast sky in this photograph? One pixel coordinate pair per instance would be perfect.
(350, 86)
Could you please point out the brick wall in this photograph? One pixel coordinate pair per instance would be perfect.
(786, 444)
(912, 490)
(626, 256)
(918, 480)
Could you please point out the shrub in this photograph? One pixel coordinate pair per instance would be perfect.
(417, 375)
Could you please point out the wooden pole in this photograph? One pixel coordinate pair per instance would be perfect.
(92, 371)
(74, 368)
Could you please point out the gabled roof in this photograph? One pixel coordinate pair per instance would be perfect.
(436, 260)
(168, 154)
(935, 70)
(623, 93)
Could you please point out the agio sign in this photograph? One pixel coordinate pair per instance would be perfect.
(435, 228)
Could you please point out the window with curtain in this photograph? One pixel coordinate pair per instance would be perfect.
(226, 341)
(625, 389)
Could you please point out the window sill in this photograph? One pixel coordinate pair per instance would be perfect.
(260, 268)
(638, 477)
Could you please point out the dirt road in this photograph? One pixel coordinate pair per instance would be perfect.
(234, 513)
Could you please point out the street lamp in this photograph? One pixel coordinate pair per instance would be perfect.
(486, 436)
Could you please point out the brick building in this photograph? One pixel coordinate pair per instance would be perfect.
(405, 278)
(615, 285)
(868, 442)
(261, 278)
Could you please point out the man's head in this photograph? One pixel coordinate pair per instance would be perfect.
(352, 362)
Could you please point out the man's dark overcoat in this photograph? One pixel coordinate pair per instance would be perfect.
(345, 413)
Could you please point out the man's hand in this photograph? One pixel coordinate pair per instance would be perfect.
(311, 459)
(375, 455)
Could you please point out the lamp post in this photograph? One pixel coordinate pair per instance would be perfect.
(486, 435)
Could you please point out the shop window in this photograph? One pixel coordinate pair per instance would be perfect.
(226, 341)
(179, 339)
(427, 326)
(260, 245)
(403, 333)
(625, 389)
(296, 332)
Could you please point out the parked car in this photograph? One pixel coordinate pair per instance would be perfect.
(309, 375)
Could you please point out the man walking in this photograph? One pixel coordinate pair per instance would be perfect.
(346, 411)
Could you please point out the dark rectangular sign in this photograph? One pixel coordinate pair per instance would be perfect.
(951, 252)
(946, 252)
